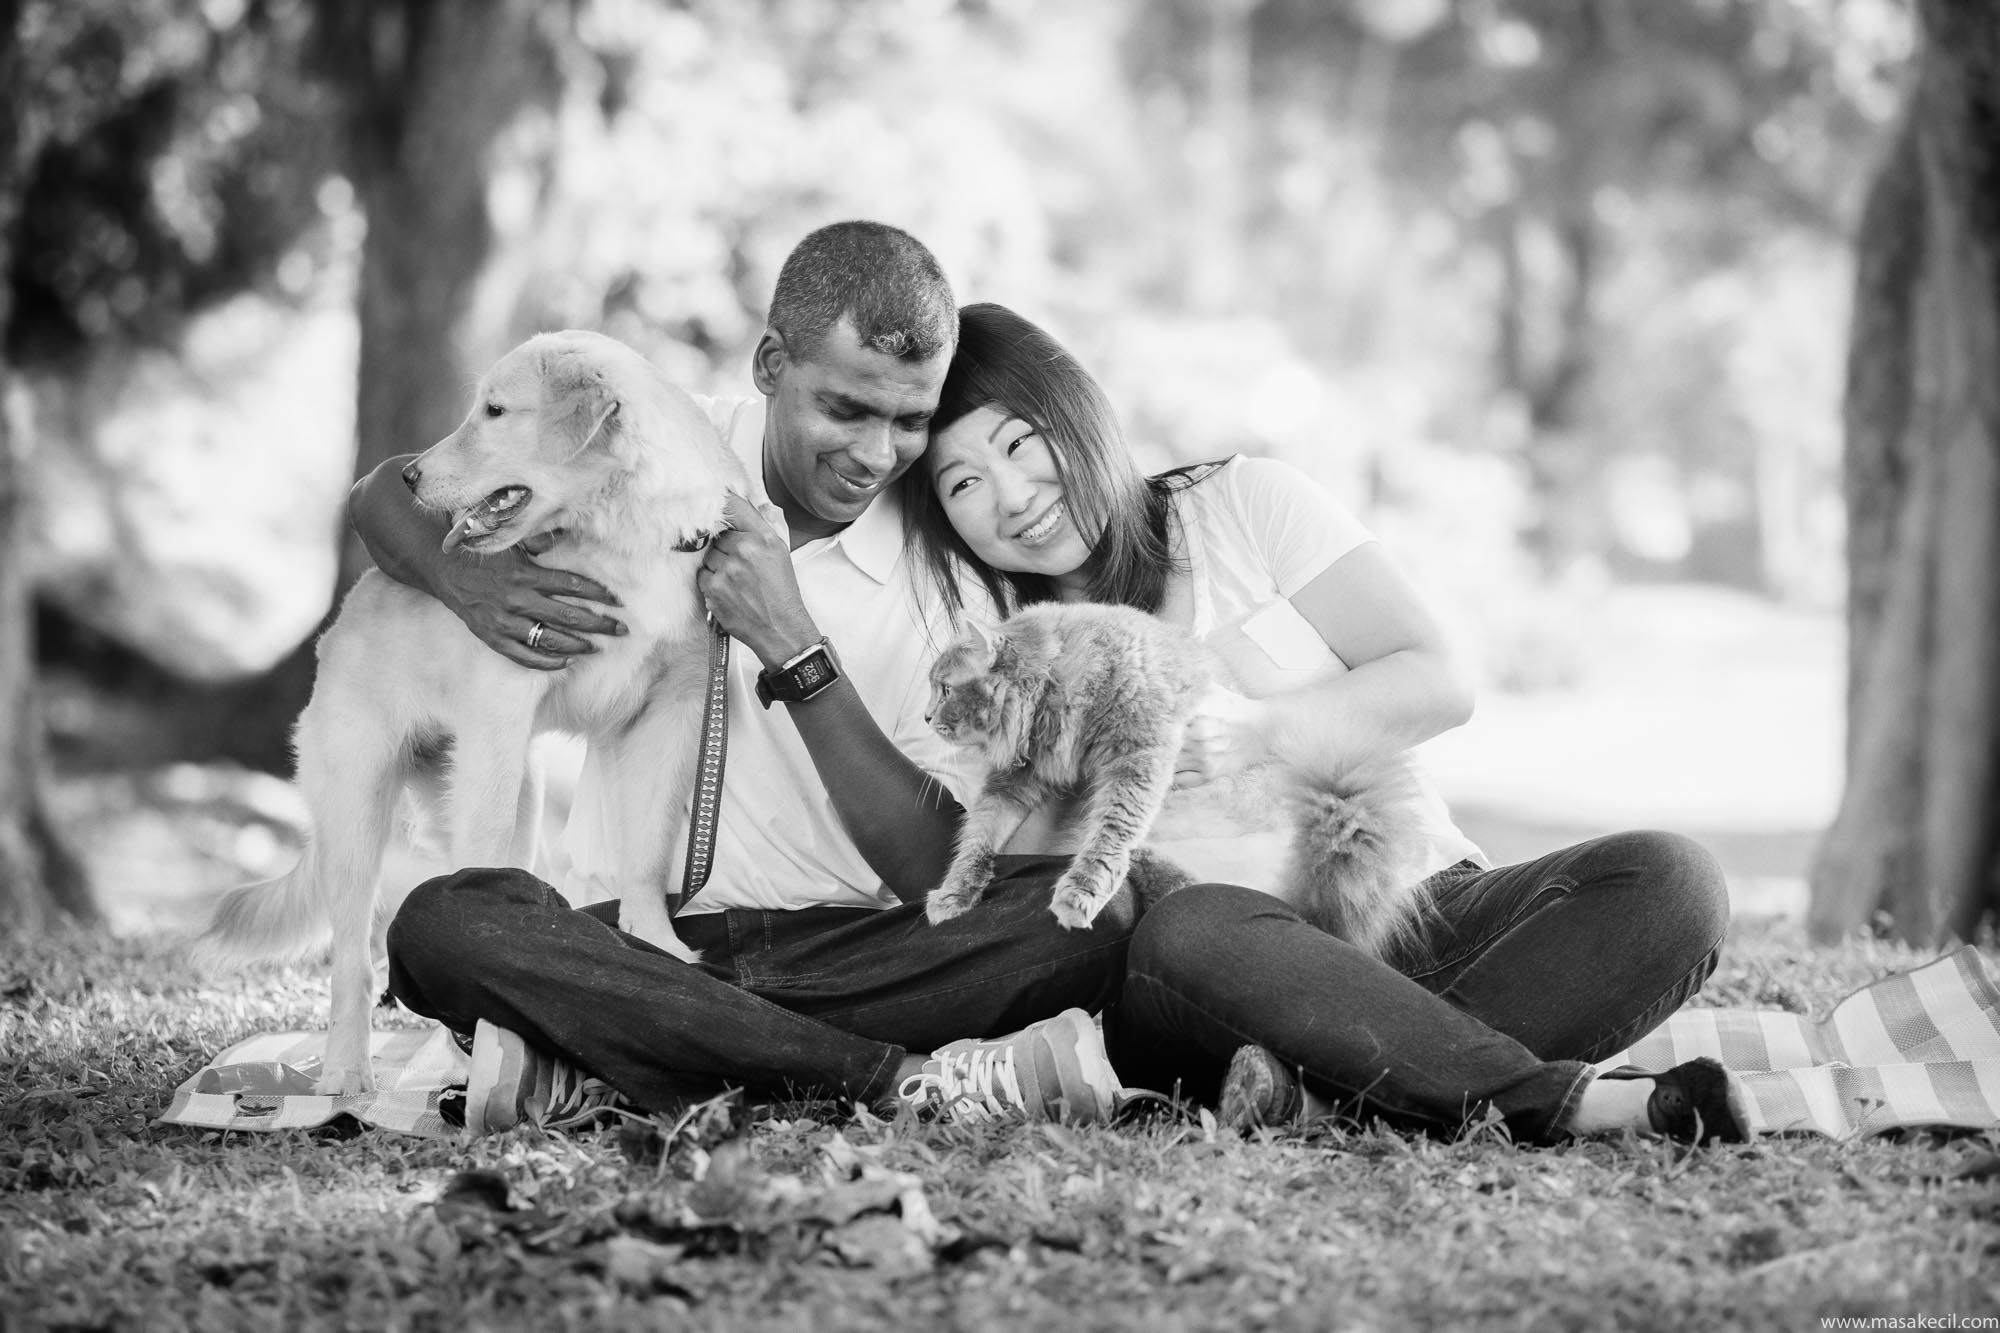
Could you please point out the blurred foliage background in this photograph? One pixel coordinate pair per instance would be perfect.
(1553, 291)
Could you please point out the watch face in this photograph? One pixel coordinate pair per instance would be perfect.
(814, 672)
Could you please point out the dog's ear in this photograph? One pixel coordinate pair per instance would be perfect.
(578, 404)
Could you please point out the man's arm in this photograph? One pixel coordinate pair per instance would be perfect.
(902, 821)
(500, 597)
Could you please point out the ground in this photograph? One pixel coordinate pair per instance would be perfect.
(1700, 711)
(803, 1221)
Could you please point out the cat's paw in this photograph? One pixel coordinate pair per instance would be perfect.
(947, 901)
(1077, 902)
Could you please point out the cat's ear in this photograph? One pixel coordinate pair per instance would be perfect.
(1004, 652)
(977, 639)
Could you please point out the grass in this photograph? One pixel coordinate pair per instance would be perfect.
(109, 1221)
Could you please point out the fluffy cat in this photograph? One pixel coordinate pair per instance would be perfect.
(1082, 699)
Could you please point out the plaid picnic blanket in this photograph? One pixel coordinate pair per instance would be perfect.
(1915, 1050)
(265, 1082)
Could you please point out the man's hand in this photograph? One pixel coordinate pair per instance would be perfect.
(502, 597)
(751, 588)
(1225, 735)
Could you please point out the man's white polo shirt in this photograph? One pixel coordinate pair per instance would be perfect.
(779, 843)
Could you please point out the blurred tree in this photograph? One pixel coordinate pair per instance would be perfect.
(426, 88)
(1918, 827)
(170, 153)
(1552, 140)
(38, 877)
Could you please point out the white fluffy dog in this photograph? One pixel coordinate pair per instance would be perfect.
(572, 434)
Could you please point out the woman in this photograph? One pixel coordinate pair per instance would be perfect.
(1528, 973)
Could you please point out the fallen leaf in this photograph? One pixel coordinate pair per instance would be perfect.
(842, 1203)
(644, 1265)
(882, 1243)
(1981, 1166)
(477, 1204)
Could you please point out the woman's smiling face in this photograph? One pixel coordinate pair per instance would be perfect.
(997, 480)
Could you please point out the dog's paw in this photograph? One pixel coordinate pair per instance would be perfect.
(662, 937)
(1076, 904)
(342, 1081)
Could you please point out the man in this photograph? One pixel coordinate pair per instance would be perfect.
(818, 970)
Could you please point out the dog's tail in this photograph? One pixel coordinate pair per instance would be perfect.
(1357, 847)
(332, 888)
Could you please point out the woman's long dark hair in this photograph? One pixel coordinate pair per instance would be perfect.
(1006, 362)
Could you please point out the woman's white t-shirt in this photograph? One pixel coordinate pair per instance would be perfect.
(1249, 535)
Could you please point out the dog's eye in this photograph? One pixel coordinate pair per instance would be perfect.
(494, 409)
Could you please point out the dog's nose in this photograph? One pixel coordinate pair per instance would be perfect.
(412, 475)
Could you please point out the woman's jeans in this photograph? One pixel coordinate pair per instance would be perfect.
(1533, 971)
(822, 1000)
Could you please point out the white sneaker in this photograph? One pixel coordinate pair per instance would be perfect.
(1052, 1070)
(511, 1081)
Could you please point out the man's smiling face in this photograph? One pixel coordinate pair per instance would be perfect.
(844, 423)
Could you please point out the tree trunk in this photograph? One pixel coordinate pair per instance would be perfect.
(39, 879)
(428, 101)
(1916, 828)
(429, 87)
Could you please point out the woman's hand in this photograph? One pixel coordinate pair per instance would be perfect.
(1225, 735)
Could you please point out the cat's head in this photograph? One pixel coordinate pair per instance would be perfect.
(976, 702)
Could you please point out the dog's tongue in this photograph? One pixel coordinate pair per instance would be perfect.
(484, 517)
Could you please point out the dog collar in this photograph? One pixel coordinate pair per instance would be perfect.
(701, 538)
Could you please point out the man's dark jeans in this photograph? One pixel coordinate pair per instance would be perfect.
(1532, 971)
(824, 1000)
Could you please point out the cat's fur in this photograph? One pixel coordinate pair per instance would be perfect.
(1091, 700)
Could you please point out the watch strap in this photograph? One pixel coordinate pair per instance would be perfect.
(798, 678)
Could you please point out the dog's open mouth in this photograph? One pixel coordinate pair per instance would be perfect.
(482, 520)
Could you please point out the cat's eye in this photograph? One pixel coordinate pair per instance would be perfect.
(494, 409)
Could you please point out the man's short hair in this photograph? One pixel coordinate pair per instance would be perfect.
(879, 277)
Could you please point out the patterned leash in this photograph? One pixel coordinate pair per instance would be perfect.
(708, 773)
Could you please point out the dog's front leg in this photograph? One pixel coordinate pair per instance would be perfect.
(345, 1066)
(650, 773)
(489, 774)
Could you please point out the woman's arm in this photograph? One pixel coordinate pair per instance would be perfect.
(500, 597)
(1405, 683)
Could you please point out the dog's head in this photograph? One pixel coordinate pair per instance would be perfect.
(558, 425)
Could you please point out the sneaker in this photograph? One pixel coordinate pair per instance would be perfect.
(1052, 1070)
(1259, 1090)
(1696, 1103)
(511, 1082)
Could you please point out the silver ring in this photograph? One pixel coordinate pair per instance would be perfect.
(535, 633)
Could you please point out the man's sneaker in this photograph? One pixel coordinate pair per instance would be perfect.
(1259, 1090)
(511, 1082)
(1052, 1070)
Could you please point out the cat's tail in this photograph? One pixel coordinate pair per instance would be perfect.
(1358, 844)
